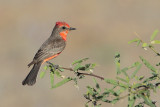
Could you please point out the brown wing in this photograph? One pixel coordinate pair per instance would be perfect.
(49, 48)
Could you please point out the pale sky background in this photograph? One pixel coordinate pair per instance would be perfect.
(103, 28)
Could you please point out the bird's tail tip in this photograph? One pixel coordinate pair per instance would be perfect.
(31, 77)
(28, 82)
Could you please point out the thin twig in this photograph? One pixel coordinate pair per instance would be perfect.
(78, 73)
(148, 46)
(138, 37)
(93, 75)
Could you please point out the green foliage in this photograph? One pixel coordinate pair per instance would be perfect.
(42, 74)
(148, 65)
(62, 82)
(155, 42)
(137, 89)
(131, 100)
(78, 65)
(134, 40)
(138, 66)
(79, 61)
(52, 79)
(154, 34)
(117, 62)
(56, 71)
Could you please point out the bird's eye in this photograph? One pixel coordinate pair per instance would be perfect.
(63, 27)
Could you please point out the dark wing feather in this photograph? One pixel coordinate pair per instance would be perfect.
(49, 48)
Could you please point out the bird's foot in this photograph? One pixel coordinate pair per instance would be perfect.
(54, 66)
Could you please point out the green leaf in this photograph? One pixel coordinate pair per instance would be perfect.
(79, 61)
(62, 82)
(131, 100)
(134, 40)
(145, 45)
(139, 105)
(86, 105)
(121, 90)
(135, 72)
(42, 74)
(93, 66)
(60, 69)
(155, 42)
(154, 77)
(127, 68)
(110, 91)
(58, 74)
(115, 100)
(134, 65)
(75, 81)
(116, 83)
(136, 85)
(154, 89)
(147, 100)
(52, 79)
(91, 91)
(45, 67)
(148, 65)
(124, 72)
(97, 85)
(154, 34)
(87, 66)
(117, 62)
(100, 97)
(77, 67)
(139, 78)
(119, 78)
(138, 42)
(106, 100)
(158, 64)
(83, 68)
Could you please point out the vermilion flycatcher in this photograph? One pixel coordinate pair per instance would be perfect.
(51, 48)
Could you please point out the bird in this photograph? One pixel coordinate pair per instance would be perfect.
(50, 49)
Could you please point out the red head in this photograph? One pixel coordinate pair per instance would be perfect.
(63, 29)
(62, 24)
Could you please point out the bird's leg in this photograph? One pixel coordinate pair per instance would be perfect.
(54, 66)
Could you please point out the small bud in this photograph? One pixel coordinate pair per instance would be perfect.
(152, 42)
(91, 70)
(63, 76)
(145, 49)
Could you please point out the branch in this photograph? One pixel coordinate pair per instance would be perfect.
(148, 87)
(148, 46)
(78, 73)
(142, 86)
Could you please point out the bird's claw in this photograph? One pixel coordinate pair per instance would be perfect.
(54, 66)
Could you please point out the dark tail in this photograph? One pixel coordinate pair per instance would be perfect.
(31, 77)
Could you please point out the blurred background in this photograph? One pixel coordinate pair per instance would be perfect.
(103, 28)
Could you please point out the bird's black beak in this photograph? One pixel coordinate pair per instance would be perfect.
(71, 28)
